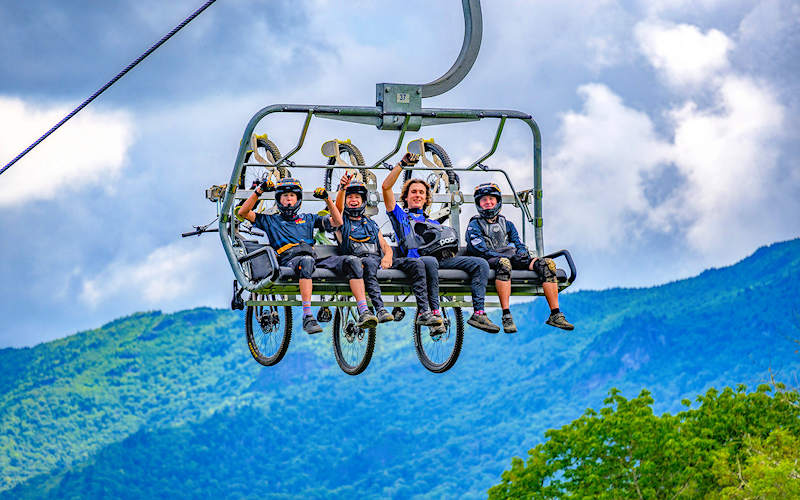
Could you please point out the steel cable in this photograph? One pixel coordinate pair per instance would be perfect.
(110, 82)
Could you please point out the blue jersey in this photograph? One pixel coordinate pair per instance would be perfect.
(402, 226)
(282, 232)
(359, 237)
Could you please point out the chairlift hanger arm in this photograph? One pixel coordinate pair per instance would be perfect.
(473, 32)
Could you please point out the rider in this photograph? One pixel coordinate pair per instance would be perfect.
(292, 236)
(493, 237)
(361, 244)
(416, 196)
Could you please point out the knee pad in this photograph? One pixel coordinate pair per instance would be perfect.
(546, 269)
(351, 266)
(305, 268)
(502, 269)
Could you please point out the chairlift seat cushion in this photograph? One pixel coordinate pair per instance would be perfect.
(445, 275)
(451, 277)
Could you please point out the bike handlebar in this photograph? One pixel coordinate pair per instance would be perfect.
(216, 230)
(199, 232)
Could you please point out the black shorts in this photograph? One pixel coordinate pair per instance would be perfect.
(344, 265)
(302, 265)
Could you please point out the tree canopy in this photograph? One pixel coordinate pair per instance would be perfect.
(734, 444)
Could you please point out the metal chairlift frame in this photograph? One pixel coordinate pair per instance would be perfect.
(399, 108)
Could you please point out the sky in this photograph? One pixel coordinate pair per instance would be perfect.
(670, 132)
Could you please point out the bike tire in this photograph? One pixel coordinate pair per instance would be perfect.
(332, 175)
(342, 347)
(268, 348)
(440, 355)
(270, 147)
(437, 151)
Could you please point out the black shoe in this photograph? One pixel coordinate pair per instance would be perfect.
(559, 321)
(437, 331)
(367, 320)
(427, 318)
(384, 316)
(508, 324)
(481, 322)
(310, 325)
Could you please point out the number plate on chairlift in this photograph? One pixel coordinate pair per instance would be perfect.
(403, 98)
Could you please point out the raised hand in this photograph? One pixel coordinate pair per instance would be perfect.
(409, 159)
(321, 193)
(346, 178)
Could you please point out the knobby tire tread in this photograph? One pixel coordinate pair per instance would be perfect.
(338, 323)
(282, 348)
(355, 153)
(418, 331)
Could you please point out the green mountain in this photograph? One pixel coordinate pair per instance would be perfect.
(173, 405)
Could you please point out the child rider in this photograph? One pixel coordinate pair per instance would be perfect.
(361, 242)
(493, 237)
(292, 236)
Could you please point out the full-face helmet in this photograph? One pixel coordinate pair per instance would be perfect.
(288, 185)
(488, 189)
(432, 239)
(358, 188)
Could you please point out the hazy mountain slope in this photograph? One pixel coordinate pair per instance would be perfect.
(173, 405)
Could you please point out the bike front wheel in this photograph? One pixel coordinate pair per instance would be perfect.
(352, 346)
(439, 352)
(268, 332)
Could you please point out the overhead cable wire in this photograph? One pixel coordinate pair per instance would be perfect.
(111, 82)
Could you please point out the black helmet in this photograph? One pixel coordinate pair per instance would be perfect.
(288, 185)
(432, 239)
(488, 189)
(359, 188)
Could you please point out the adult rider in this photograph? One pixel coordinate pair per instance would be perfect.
(416, 197)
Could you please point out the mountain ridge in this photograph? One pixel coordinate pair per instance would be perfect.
(114, 393)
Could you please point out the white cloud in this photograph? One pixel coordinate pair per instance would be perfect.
(682, 53)
(594, 184)
(729, 157)
(90, 149)
(165, 276)
(656, 7)
(726, 157)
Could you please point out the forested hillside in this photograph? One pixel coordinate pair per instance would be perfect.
(173, 405)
